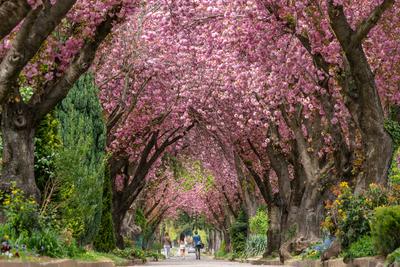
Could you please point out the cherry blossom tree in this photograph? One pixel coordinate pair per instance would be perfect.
(280, 68)
(44, 46)
(142, 97)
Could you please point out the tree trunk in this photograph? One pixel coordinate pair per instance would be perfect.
(363, 100)
(309, 218)
(274, 230)
(210, 241)
(377, 144)
(118, 219)
(227, 240)
(18, 152)
(368, 114)
(217, 240)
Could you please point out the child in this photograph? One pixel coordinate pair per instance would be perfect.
(182, 245)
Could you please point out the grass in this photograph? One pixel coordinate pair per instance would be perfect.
(89, 256)
(99, 256)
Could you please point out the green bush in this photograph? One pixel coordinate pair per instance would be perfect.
(238, 233)
(46, 242)
(25, 226)
(393, 128)
(105, 239)
(47, 144)
(256, 245)
(394, 173)
(157, 246)
(154, 255)
(349, 215)
(258, 224)
(385, 229)
(131, 253)
(221, 252)
(393, 257)
(21, 212)
(81, 161)
(363, 247)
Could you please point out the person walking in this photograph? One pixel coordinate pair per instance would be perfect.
(197, 244)
(182, 245)
(167, 245)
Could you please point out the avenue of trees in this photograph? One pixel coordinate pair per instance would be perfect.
(119, 117)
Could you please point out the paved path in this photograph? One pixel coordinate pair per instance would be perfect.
(190, 261)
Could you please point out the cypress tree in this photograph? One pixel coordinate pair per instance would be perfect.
(105, 239)
(81, 161)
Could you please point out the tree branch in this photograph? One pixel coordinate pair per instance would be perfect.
(34, 31)
(339, 24)
(118, 112)
(367, 24)
(57, 91)
(12, 12)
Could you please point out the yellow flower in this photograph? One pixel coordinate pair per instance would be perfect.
(373, 186)
(6, 202)
(338, 202)
(344, 185)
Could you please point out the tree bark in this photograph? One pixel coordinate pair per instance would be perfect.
(227, 240)
(363, 94)
(18, 153)
(12, 12)
(274, 230)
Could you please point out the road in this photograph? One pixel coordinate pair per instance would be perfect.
(190, 261)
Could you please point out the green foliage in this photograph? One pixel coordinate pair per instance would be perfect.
(259, 223)
(349, 215)
(105, 239)
(192, 174)
(26, 93)
(394, 173)
(393, 257)
(157, 246)
(363, 247)
(171, 230)
(47, 144)
(238, 233)
(311, 253)
(80, 192)
(140, 219)
(49, 242)
(386, 229)
(21, 213)
(80, 163)
(25, 226)
(393, 128)
(256, 245)
(222, 251)
(94, 256)
(131, 253)
(155, 255)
